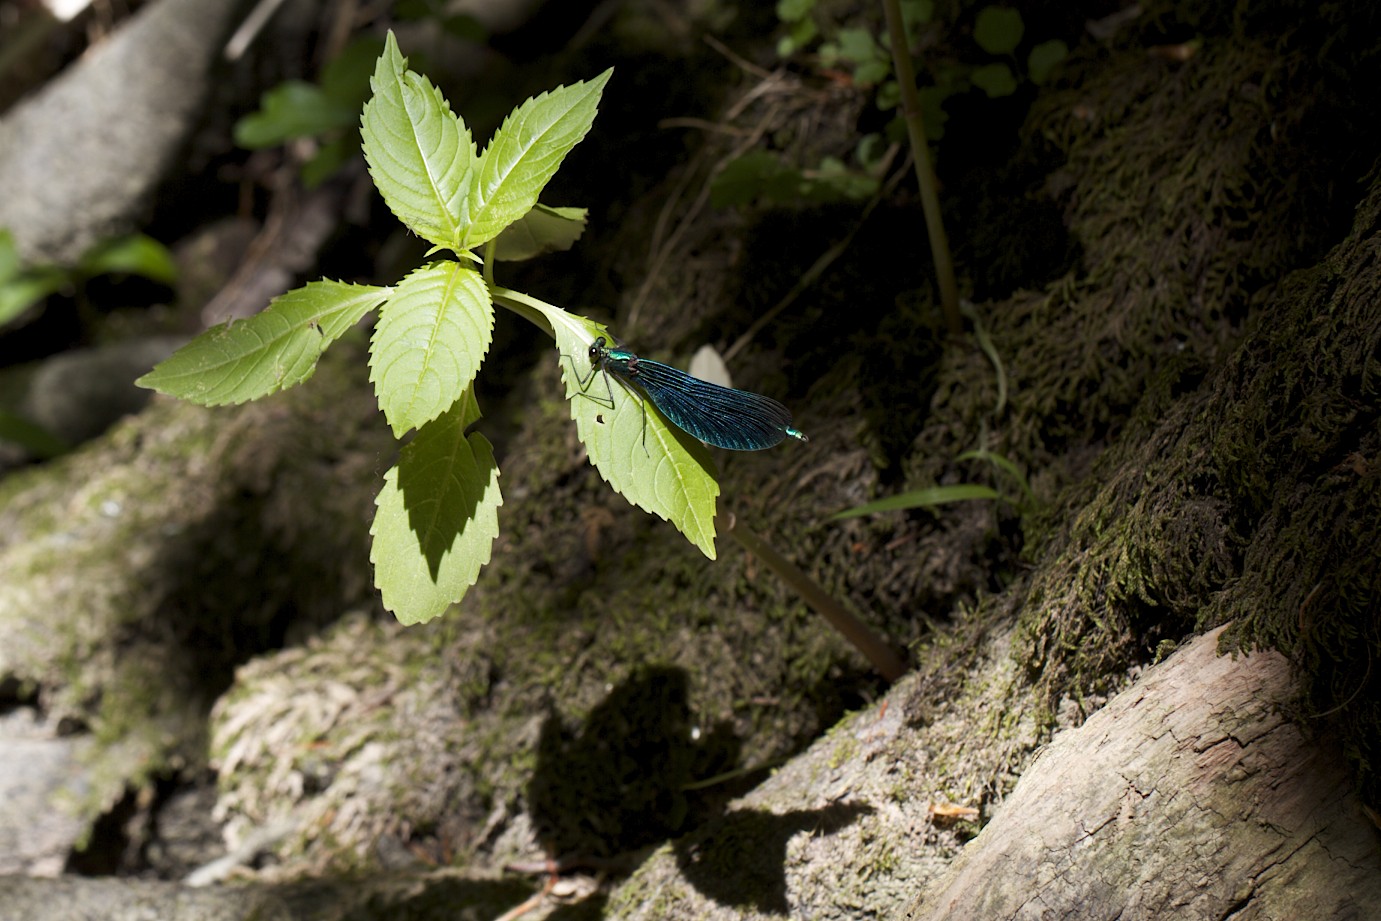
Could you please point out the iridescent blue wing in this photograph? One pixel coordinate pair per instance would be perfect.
(721, 416)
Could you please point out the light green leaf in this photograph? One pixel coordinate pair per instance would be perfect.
(998, 30)
(429, 342)
(420, 155)
(132, 255)
(271, 351)
(1044, 58)
(921, 498)
(660, 469)
(437, 517)
(525, 153)
(541, 230)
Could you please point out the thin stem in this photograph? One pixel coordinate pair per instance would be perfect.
(925, 175)
(882, 656)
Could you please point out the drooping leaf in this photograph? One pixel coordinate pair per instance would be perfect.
(646, 459)
(429, 342)
(436, 517)
(420, 155)
(136, 254)
(921, 498)
(270, 351)
(541, 230)
(525, 153)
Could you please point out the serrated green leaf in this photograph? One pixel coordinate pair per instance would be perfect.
(429, 342)
(667, 472)
(437, 517)
(420, 155)
(271, 351)
(291, 109)
(525, 153)
(136, 254)
(921, 498)
(541, 230)
(998, 30)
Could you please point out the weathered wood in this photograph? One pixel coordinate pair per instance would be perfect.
(1190, 795)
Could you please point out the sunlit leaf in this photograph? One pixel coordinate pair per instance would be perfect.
(436, 517)
(525, 153)
(647, 460)
(268, 352)
(420, 155)
(429, 342)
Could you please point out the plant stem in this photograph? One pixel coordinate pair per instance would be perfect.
(925, 175)
(882, 656)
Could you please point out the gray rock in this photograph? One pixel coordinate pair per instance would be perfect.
(78, 395)
(76, 899)
(79, 159)
(37, 766)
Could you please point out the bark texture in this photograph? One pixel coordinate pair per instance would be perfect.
(1189, 796)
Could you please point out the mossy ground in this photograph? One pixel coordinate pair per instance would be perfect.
(1198, 426)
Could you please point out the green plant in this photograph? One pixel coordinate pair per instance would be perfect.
(21, 287)
(326, 111)
(997, 30)
(437, 514)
